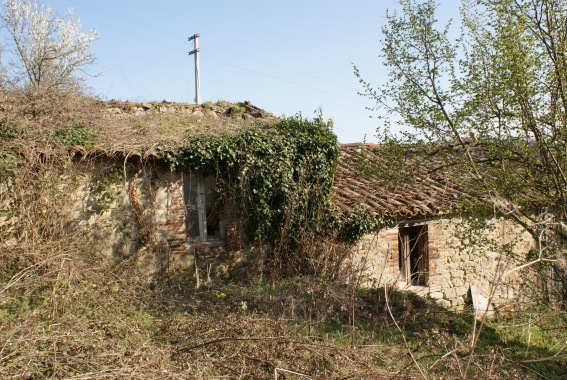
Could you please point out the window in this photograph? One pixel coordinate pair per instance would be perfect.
(201, 212)
(414, 258)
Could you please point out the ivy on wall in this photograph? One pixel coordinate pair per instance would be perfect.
(279, 175)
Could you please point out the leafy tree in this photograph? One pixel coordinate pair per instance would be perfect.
(499, 88)
(47, 50)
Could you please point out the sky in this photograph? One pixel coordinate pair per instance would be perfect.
(286, 57)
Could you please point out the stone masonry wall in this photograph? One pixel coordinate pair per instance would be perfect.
(143, 217)
(458, 257)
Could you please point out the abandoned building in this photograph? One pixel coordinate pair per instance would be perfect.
(137, 206)
(429, 243)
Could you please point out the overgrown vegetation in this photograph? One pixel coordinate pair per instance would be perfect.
(63, 315)
(75, 134)
(497, 93)
(62, 303)
(280, 177)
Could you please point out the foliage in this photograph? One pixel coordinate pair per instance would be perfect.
(353, 226)
(63, 312)
(280, 176)
(103, 188)
(75, 134)
(48, 50)
(270, 169)
(207, 105)
(236, 110)
(497, 94)
(9, 161)
(7, 131)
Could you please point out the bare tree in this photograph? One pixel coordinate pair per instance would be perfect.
(47, 51)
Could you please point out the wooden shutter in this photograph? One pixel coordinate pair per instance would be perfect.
(423, 261)
(404, 242)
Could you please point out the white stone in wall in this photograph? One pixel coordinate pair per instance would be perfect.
(458, 282)
(436, 295)
(461, 290)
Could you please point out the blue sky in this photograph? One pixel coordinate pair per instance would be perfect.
(284, 56)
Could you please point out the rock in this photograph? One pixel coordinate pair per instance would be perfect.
(114, 110)
(481, 303)
(462, 290)
(457, 274)
(211, 113)
(436, 295)
(457, 282)
(247, 116)
(166, 109)
(450, 293)
(198, 113)
(457, 303)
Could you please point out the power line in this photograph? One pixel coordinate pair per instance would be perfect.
(144, 39)
(124, 18)
(239, 67)
(282, 80)
(145, 25)
(282, 67)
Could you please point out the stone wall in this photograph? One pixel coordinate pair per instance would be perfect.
(245, 110)
(461, 253)
(141, 216)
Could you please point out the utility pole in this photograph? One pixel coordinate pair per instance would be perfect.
(195, 39)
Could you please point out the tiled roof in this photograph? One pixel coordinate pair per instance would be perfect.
(427, 188)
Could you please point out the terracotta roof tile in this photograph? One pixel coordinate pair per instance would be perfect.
(433, 190)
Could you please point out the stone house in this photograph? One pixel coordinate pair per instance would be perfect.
(428, 243)
(136, 207)
(427, 246)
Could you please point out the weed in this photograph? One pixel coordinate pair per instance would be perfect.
(236, 110)
(75, 134)
(222, 103)
(7, 130)
(10, 159)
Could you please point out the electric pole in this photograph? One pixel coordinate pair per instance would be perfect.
(195, 51)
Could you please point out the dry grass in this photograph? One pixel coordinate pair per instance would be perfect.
(68, 312)
(73, 316)
(125, 127)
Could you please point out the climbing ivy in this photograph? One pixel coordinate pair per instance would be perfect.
(74, 134)
(353, 226)
(279, 175)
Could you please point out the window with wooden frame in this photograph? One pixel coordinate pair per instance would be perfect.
(201, 212)
(414, 256)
